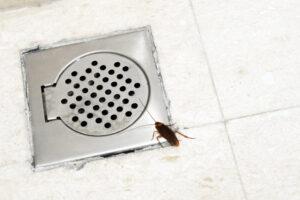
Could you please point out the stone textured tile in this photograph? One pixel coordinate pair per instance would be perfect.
(268, 153)
(199, 169)
(253, 50)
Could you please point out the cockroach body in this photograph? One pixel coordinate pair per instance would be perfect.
(166, 132)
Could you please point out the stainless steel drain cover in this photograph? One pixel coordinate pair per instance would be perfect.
(98, 94)
(88, 98)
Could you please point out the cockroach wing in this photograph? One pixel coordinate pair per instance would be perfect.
(168, 134)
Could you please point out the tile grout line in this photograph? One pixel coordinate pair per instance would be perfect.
(242, 117)
(262, 113)
(218, 100)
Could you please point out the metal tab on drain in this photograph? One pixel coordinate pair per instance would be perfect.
(88, 98)
(98, 94)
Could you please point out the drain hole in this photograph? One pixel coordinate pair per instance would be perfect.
(64, 101)
(104, 112)
(75, 119)
(131, 93)
(137, 85)
(113, 117)
(81, 110)
(128, 113)
(94, 63)
(102, 99)
(91, 82)
(83, 124)
(97, 75)
(76, 85)
(88, 70)
(102, 67)
(87, 103)
(74, 73)
(82, 78)
(111, 72)
(98, 120)
(105, 79)
(119, 76)
(90, 115)
(79, 98)
(107, 125)
(99, 87)
(107, 92)
(125, 69)
(68, 81)
(120, 109)
(85, 90)
(114, 84)
(134, 105)
(125, 101)
(117, 96)
(70, 93)
(128, 80)
(123, 88)
(96, 107)
(117, 64)
(94, 94)
(110, 104)
(72, 105)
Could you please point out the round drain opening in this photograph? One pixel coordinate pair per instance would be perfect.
(101, 106)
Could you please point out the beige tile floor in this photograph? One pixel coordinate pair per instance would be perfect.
(267, 151)
(231, 70)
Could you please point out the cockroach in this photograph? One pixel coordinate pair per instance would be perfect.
(164, 131)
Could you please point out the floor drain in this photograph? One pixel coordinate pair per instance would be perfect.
(109, 93)
(88, 98)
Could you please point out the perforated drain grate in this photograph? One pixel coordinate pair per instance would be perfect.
(98, 94)
(88, 98)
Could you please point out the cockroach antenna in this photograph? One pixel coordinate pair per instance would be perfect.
(147, 110)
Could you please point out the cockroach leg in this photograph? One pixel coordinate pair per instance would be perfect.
(184, 135)
(153, 134)
(157, 138)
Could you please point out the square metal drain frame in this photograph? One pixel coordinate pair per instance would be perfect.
(88, 98)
